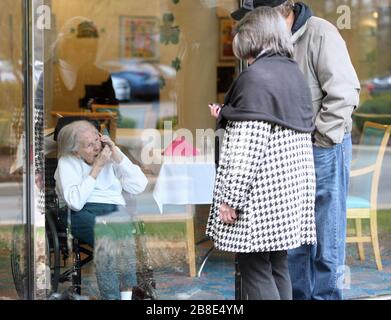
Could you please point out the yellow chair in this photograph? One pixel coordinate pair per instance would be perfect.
(364, 182)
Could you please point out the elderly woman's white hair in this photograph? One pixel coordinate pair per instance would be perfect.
(262, 29)
(68, 141)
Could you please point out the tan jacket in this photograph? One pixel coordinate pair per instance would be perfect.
(322, 56)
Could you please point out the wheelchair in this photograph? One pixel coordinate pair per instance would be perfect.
(66, 255)
(62, 246)
(58, 247)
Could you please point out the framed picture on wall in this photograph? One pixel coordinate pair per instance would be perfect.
(139, 37)
(225, 39)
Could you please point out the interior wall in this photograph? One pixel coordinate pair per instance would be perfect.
(105, 14)
(11, 77)
(195, 83)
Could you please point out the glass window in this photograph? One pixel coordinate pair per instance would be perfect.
(13, 239)
(366, 27)
(144, 73)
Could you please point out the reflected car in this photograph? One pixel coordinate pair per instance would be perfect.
(137, 80)
(379, 85)
(135, 85)
(121, 88)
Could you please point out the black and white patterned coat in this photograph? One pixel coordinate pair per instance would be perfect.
(267, 173)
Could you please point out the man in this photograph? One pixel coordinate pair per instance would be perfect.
(317, 271)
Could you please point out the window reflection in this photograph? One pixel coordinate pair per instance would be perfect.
(368, 41)
(75, 81)
(13, 266)
(170, 72)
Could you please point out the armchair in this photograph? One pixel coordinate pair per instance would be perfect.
(364, 183)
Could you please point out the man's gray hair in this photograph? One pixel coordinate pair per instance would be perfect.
(68, 138)
(262, 29)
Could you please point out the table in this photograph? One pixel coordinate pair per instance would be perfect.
(187, 183)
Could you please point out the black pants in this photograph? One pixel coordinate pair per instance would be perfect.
(265, 276)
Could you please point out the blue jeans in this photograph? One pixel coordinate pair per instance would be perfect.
(317, 271)
(108, 229)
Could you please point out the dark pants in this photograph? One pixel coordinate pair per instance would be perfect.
(265, 276)
(83, 221)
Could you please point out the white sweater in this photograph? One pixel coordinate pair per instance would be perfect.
(76, 187)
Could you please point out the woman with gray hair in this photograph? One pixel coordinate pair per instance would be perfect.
(91, 174)
(263, 201)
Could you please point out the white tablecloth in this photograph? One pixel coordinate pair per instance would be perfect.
(185, 183)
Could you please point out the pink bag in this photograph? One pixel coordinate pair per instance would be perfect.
(180, 147)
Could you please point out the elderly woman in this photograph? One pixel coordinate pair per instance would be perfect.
(264, 192)
(90, 177)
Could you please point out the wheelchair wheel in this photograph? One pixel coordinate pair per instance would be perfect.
(53, 252)
(18, 261)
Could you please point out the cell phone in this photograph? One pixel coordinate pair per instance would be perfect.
(102, 143)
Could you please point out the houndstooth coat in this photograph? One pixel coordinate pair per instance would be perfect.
(266, 172)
